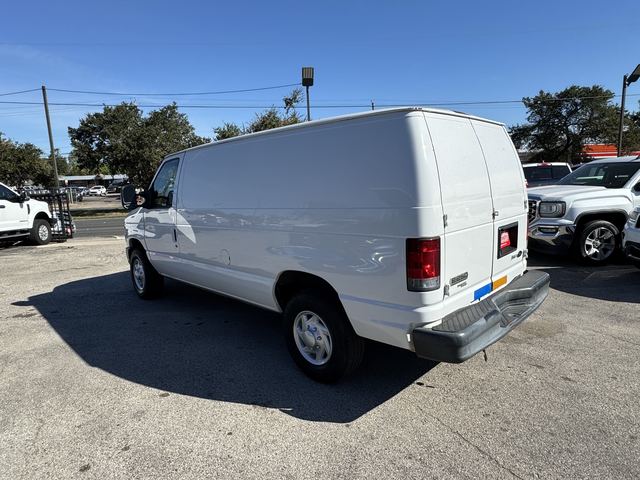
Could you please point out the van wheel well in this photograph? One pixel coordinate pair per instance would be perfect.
(135, 245)
(292, 282)
(616, 218)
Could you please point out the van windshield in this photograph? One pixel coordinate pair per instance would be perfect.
(609, 175)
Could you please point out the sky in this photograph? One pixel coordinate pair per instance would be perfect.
(396, 52)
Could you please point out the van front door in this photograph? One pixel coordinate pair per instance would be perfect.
(160, 218)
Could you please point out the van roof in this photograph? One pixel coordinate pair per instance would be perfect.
(341, 118)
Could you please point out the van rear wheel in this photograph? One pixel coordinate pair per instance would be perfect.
(147, 282)
(320, 338)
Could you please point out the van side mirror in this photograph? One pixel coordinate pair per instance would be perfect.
(128, 197)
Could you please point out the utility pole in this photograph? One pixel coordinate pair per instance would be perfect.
(53, 151)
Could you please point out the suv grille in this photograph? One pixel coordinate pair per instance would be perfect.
(533, 210)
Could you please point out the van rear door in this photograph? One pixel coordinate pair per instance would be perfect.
(467, 205)
(509, 195)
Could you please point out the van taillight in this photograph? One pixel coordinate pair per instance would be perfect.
(423, 264)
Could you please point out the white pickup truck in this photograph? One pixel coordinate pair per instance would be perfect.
(586, 210)
(22, 217)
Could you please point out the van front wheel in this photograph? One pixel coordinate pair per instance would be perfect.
(147, 282)
(320, 338)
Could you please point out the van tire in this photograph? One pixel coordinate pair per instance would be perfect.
(597, 230)
(146, 280)
(40, 233)
(347, 348)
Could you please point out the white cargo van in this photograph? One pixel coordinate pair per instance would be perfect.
(405, 226)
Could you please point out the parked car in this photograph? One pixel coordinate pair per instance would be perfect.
(405, 226)
(23, 218)
(97, 190)
(587, 210)
(116, 187)
(631, 237)
(538, 174)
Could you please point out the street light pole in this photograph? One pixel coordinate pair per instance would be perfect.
(307, 81)
(626, 81)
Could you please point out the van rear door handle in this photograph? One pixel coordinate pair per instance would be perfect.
(2, 206)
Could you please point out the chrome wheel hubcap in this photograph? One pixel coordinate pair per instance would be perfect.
(43, 233)
(312, 338)
(138, 274)
(600, 244)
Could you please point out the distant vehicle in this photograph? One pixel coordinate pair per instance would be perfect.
(116, 187)
(538, 174)
(405, 226)
(586, 211)
(22, 217)
(97, 190)
(631, 237)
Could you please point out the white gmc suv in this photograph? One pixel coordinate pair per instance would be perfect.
(586, 210)
(23, 218)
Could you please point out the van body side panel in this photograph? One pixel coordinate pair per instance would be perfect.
(509, 196)
(467, 204)
(336, 201)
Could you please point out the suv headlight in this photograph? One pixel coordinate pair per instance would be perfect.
(551, 209)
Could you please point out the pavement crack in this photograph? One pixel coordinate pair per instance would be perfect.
(470, 443)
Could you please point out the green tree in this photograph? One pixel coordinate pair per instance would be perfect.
(227, 130)
(559, 124)
(23, 162)
(121, 139)
(270, 118)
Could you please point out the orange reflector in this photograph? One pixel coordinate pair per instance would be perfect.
(498, 283)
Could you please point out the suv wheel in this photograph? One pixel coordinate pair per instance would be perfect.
(320, 338)
(40, 232)
(598, 241)
(147, 282)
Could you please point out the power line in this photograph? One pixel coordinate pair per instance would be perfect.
(88, 92)
(21, 91)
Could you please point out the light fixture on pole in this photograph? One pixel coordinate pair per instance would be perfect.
(626, 81)
(307, 81)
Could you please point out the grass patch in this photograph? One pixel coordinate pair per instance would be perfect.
(98, 212)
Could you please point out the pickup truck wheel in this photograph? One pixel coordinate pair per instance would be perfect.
(598, 241)
(40, 232)
(147, 282)
(320, 338)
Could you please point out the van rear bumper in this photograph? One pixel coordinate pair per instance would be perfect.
(469, 330)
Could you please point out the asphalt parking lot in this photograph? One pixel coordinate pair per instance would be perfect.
(99, 384)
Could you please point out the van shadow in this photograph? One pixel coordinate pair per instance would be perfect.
(196, 343)
(614, 282)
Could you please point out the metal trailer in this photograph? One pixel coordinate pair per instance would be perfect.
(62, 226)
